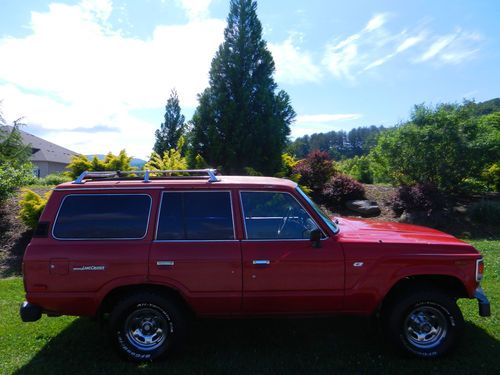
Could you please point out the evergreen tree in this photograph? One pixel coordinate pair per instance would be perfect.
(241, 121)
(172, 129)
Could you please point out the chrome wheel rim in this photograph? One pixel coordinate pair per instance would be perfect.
(146, 329)
(425, 327)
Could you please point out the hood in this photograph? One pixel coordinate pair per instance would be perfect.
(380, 231)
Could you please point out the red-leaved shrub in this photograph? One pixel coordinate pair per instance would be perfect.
(315, 170)
(418, 197)
(341, 188)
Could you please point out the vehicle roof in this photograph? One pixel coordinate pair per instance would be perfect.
(180, 182)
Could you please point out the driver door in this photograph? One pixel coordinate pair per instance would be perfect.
(282, 271)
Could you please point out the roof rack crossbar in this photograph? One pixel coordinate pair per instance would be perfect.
(212, 177)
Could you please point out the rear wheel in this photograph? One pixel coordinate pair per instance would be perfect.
(424, 324)
(146, 326)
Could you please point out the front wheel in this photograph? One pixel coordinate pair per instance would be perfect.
(146, 326)
(424, 324)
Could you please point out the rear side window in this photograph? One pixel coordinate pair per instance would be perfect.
(196, 216)
(94, 216)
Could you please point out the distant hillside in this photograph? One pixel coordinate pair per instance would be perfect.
(487, 107)
(138, 163)
(341, 144)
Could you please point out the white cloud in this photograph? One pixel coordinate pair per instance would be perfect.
(340, 60)
(100, 8)
(72, 53)
(292, 64)
(452, 48)
(375, 45)
(344, 60)
(403, 46)
(437, 46)
(321, 123)
(196, 9)
(376, 22)
(410, 42)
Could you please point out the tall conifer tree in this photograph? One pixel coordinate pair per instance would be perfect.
(167, 137)
(241, 120)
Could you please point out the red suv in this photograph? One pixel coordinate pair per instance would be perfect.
(148, 252)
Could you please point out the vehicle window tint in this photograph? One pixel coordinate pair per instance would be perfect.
(196, 216)
(103, 216)
(273, 216)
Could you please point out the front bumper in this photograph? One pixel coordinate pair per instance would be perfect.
(483, 302)
(30, 312)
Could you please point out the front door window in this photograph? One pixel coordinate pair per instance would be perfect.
(275, 216)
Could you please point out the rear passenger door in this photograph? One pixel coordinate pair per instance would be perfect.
(196, 251)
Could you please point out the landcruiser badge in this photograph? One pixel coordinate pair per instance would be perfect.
(89, 268)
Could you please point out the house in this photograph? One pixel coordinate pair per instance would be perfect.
(47, 157)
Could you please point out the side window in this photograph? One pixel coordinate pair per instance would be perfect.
(195, 216)
(95, 216)
(274, 216)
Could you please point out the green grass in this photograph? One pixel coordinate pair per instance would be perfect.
(74, 346)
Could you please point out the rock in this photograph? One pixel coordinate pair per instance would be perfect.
(436, 219)
(364, 207)
(461, 210)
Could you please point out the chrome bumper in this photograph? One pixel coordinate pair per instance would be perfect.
(483, 302)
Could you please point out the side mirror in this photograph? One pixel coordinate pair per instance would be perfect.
(315, 238)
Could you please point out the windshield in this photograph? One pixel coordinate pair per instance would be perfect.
(319, 211)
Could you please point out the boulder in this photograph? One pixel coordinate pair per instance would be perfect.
(364, 207)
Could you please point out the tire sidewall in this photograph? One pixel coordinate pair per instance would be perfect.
(119, 331)
(453, 317)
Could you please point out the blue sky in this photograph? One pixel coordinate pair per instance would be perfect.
(94, 75)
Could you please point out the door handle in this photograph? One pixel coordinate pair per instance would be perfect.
(261, 262)
(163, 263)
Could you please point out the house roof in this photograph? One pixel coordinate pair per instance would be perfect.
(43, 150)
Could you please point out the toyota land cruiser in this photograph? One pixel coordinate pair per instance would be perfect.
(147, 252)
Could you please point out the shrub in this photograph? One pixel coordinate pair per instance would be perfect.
(474, 186)
(288, 163)
(315, 171)
(11, 178)
(53, 179)
(199, 162)
(249, 171)
(442, 145)
(358, 168)
(485, 211)
(172, 159)
(492, 175)
(341, 188)
(80, 163)
(418, 197)
(32, 206)
(15, 168)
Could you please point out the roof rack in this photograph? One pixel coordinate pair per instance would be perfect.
(211, 173)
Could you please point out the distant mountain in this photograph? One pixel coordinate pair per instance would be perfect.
(138, 163)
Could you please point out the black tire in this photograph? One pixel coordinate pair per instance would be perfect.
(147, 326)
(426, 324)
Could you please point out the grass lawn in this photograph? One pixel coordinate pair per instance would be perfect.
(73, 346)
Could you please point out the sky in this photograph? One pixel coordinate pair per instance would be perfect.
(94, 75)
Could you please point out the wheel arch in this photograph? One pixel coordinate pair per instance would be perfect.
(114, 295)
(447, 284)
